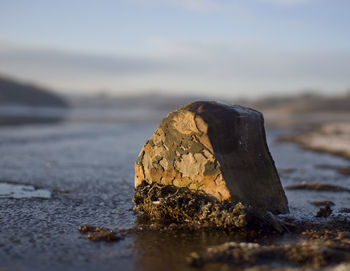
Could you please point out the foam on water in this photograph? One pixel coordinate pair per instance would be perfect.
(19, 191)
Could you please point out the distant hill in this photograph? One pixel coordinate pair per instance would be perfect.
(28, 104)
(15, 93)
(304, 103)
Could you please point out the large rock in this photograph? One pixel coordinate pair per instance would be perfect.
(218, 148)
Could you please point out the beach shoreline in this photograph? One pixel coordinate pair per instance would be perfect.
(332, 138)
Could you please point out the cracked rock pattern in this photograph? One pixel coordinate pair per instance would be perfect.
(218, 148)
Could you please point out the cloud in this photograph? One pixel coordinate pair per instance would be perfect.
(287, 2)
(61, 61)
(194, 5)
(184, 66)
(197, 4)
(216, 5)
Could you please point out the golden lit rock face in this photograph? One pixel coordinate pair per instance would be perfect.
(214, 147)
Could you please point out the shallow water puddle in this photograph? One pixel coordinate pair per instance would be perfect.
(22, 191)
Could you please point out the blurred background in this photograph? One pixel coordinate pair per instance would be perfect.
(128, 55)
(84, 84)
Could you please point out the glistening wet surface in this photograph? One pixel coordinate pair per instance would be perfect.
(19, 191)
(88, 169)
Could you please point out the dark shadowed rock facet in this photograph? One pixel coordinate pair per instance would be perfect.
(217, 148)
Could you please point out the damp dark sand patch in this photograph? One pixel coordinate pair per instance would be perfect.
(340, 170)
(344, 170)
(311, 253)
(22, 191)
(322, 203)
(318, 187)
(323, 244)
(287, 170)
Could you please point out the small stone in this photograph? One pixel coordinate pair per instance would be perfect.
(324, 212)
(216, 148)
(99, 233)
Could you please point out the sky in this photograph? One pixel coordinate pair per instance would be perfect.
(231, 48)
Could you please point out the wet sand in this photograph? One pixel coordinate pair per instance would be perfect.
(88, 169)
(333, 138)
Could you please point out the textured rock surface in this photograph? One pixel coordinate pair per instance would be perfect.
(214, 147)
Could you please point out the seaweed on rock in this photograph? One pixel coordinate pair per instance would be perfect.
(169, 204)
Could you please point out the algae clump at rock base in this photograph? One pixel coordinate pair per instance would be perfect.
(214, 149)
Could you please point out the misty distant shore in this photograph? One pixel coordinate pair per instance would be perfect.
(22, 103)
